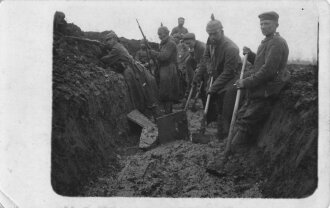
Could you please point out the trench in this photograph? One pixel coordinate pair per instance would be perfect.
(95, 148)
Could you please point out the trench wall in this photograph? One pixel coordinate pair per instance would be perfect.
(90, 103)
(289, 138)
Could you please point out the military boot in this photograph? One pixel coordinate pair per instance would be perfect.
(222, 132)
(239, 141)
(217, 167)
(168, 107)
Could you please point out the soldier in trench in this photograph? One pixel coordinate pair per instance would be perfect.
(182, 57)
(168, 74)
(223, 63)
(264, 82)
(179, 29)
(142, 86)
(193, 62)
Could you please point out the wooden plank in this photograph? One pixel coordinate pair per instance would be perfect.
(140, 119)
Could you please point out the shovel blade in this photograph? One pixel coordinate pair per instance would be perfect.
(200, 138)
(173, 126)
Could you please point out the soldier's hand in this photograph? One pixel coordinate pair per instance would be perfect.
(246, 50)
(153, 53)
(210, 91)
(239, 84)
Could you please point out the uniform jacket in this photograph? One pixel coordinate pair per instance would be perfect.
(269, 74)
(141, 84)
(180, 30)
(168, 74)
(198, 53)
(118, 54)
(224, 63)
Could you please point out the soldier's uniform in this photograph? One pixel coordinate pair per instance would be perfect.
(264, 82)
(179, 30)
(224, 66)
(141, 84)
(194, 61)
(168, 73)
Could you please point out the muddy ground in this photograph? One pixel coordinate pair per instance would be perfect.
(177, 169)
(95, 149)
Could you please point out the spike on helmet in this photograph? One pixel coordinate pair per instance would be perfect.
(213, 25)
(163, 29)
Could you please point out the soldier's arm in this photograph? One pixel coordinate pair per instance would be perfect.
(251, 57)
(111, 57)
(167, 52)
(201, 67)
(229, 71)
(269, 70)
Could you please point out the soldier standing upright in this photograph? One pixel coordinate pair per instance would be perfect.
(168, 75)
(267, 78)
(196, 52)
(223, 64)
(179, 29)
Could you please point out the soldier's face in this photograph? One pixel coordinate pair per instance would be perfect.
(181, 21)
(190, 43)
(215, 36)
(111, 42)
(162, 35)
(268, 27)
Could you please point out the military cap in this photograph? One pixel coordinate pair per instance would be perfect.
(180, 18)
(213, 25)
(189, 36)
(111, 34)
(269, 16)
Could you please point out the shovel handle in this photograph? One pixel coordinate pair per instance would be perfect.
(189, 97)
(233, 119)
(208, 99)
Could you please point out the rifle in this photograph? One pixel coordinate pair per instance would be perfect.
(148, 47)
(96, 42)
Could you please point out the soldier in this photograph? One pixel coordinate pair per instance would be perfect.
(168, 75)
(196, 52)
(223, 63)
(182, 56)
(265, 81)
(141, 55)
(141, 84)
(179, 29)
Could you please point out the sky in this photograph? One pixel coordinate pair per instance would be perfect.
(297, 22)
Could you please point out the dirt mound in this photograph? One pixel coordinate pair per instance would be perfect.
(90, 104)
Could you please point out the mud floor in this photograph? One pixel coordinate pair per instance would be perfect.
(177, 169)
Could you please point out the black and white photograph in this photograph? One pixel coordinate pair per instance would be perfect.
(165, 103)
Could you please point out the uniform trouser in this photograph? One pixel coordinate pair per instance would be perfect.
(252, 113)
(226, 103)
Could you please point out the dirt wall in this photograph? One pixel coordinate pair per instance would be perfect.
(289, 137)
(90, 103)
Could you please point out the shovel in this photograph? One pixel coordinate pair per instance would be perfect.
(193, 108)
(174, 126)
(233, 119)
(201, 137)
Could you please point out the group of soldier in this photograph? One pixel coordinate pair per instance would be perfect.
(181, 55)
